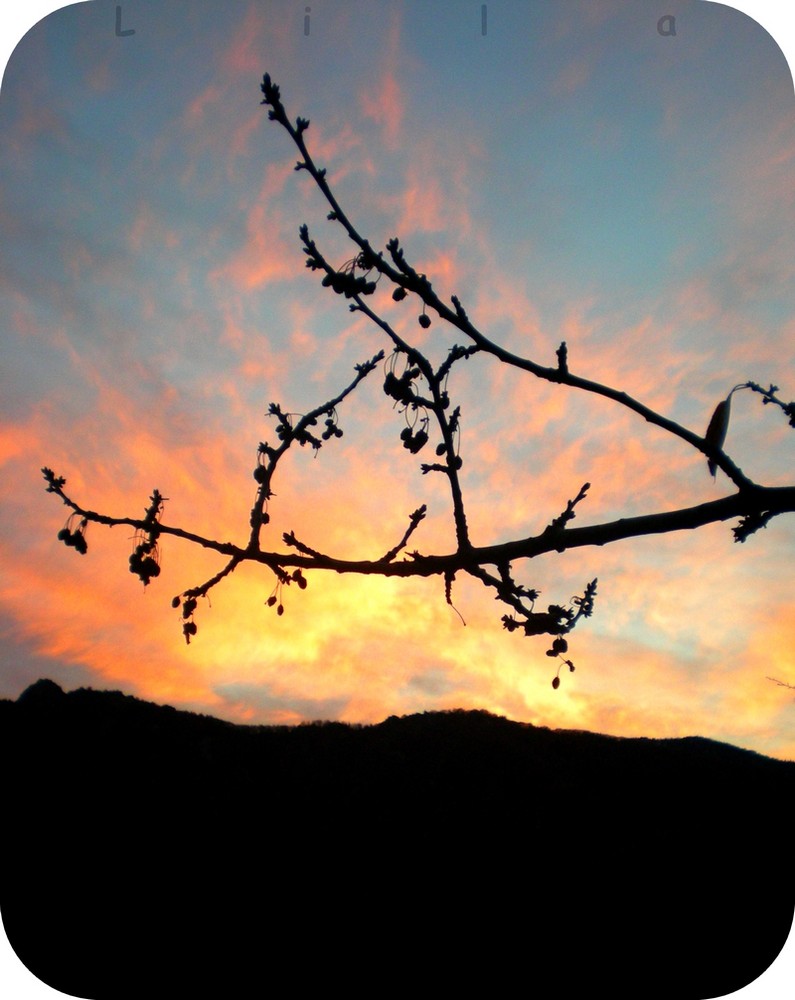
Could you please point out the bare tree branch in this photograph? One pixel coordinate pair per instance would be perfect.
(783, 684)
(420, 393)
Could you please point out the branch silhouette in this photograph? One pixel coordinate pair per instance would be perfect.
(420, 393)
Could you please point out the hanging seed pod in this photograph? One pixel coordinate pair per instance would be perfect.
(392, 386)
(424, 321)
(399, 294)
(556, 682)
(419, 442)
(149, 568)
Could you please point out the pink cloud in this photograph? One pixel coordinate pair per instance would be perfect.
(270, 251)
(386, 107)
(343, 152)
(209, 97)
(258, 29)
(440, 188)
(100, 75)
(383, 102)
(241, 136)
(571, 77)
(147, 229)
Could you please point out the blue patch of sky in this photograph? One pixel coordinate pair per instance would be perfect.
(595, 189)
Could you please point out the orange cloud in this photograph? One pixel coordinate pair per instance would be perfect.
(16, 441)
(349, 646)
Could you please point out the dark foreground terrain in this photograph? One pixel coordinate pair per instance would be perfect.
(150, 852)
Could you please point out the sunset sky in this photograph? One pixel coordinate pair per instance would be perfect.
(572, 174)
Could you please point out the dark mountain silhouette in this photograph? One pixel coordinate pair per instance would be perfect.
(149, 851)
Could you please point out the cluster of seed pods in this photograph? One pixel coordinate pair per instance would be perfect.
(189, 626)
(144, 560)
(74, 537)
(332, 427)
